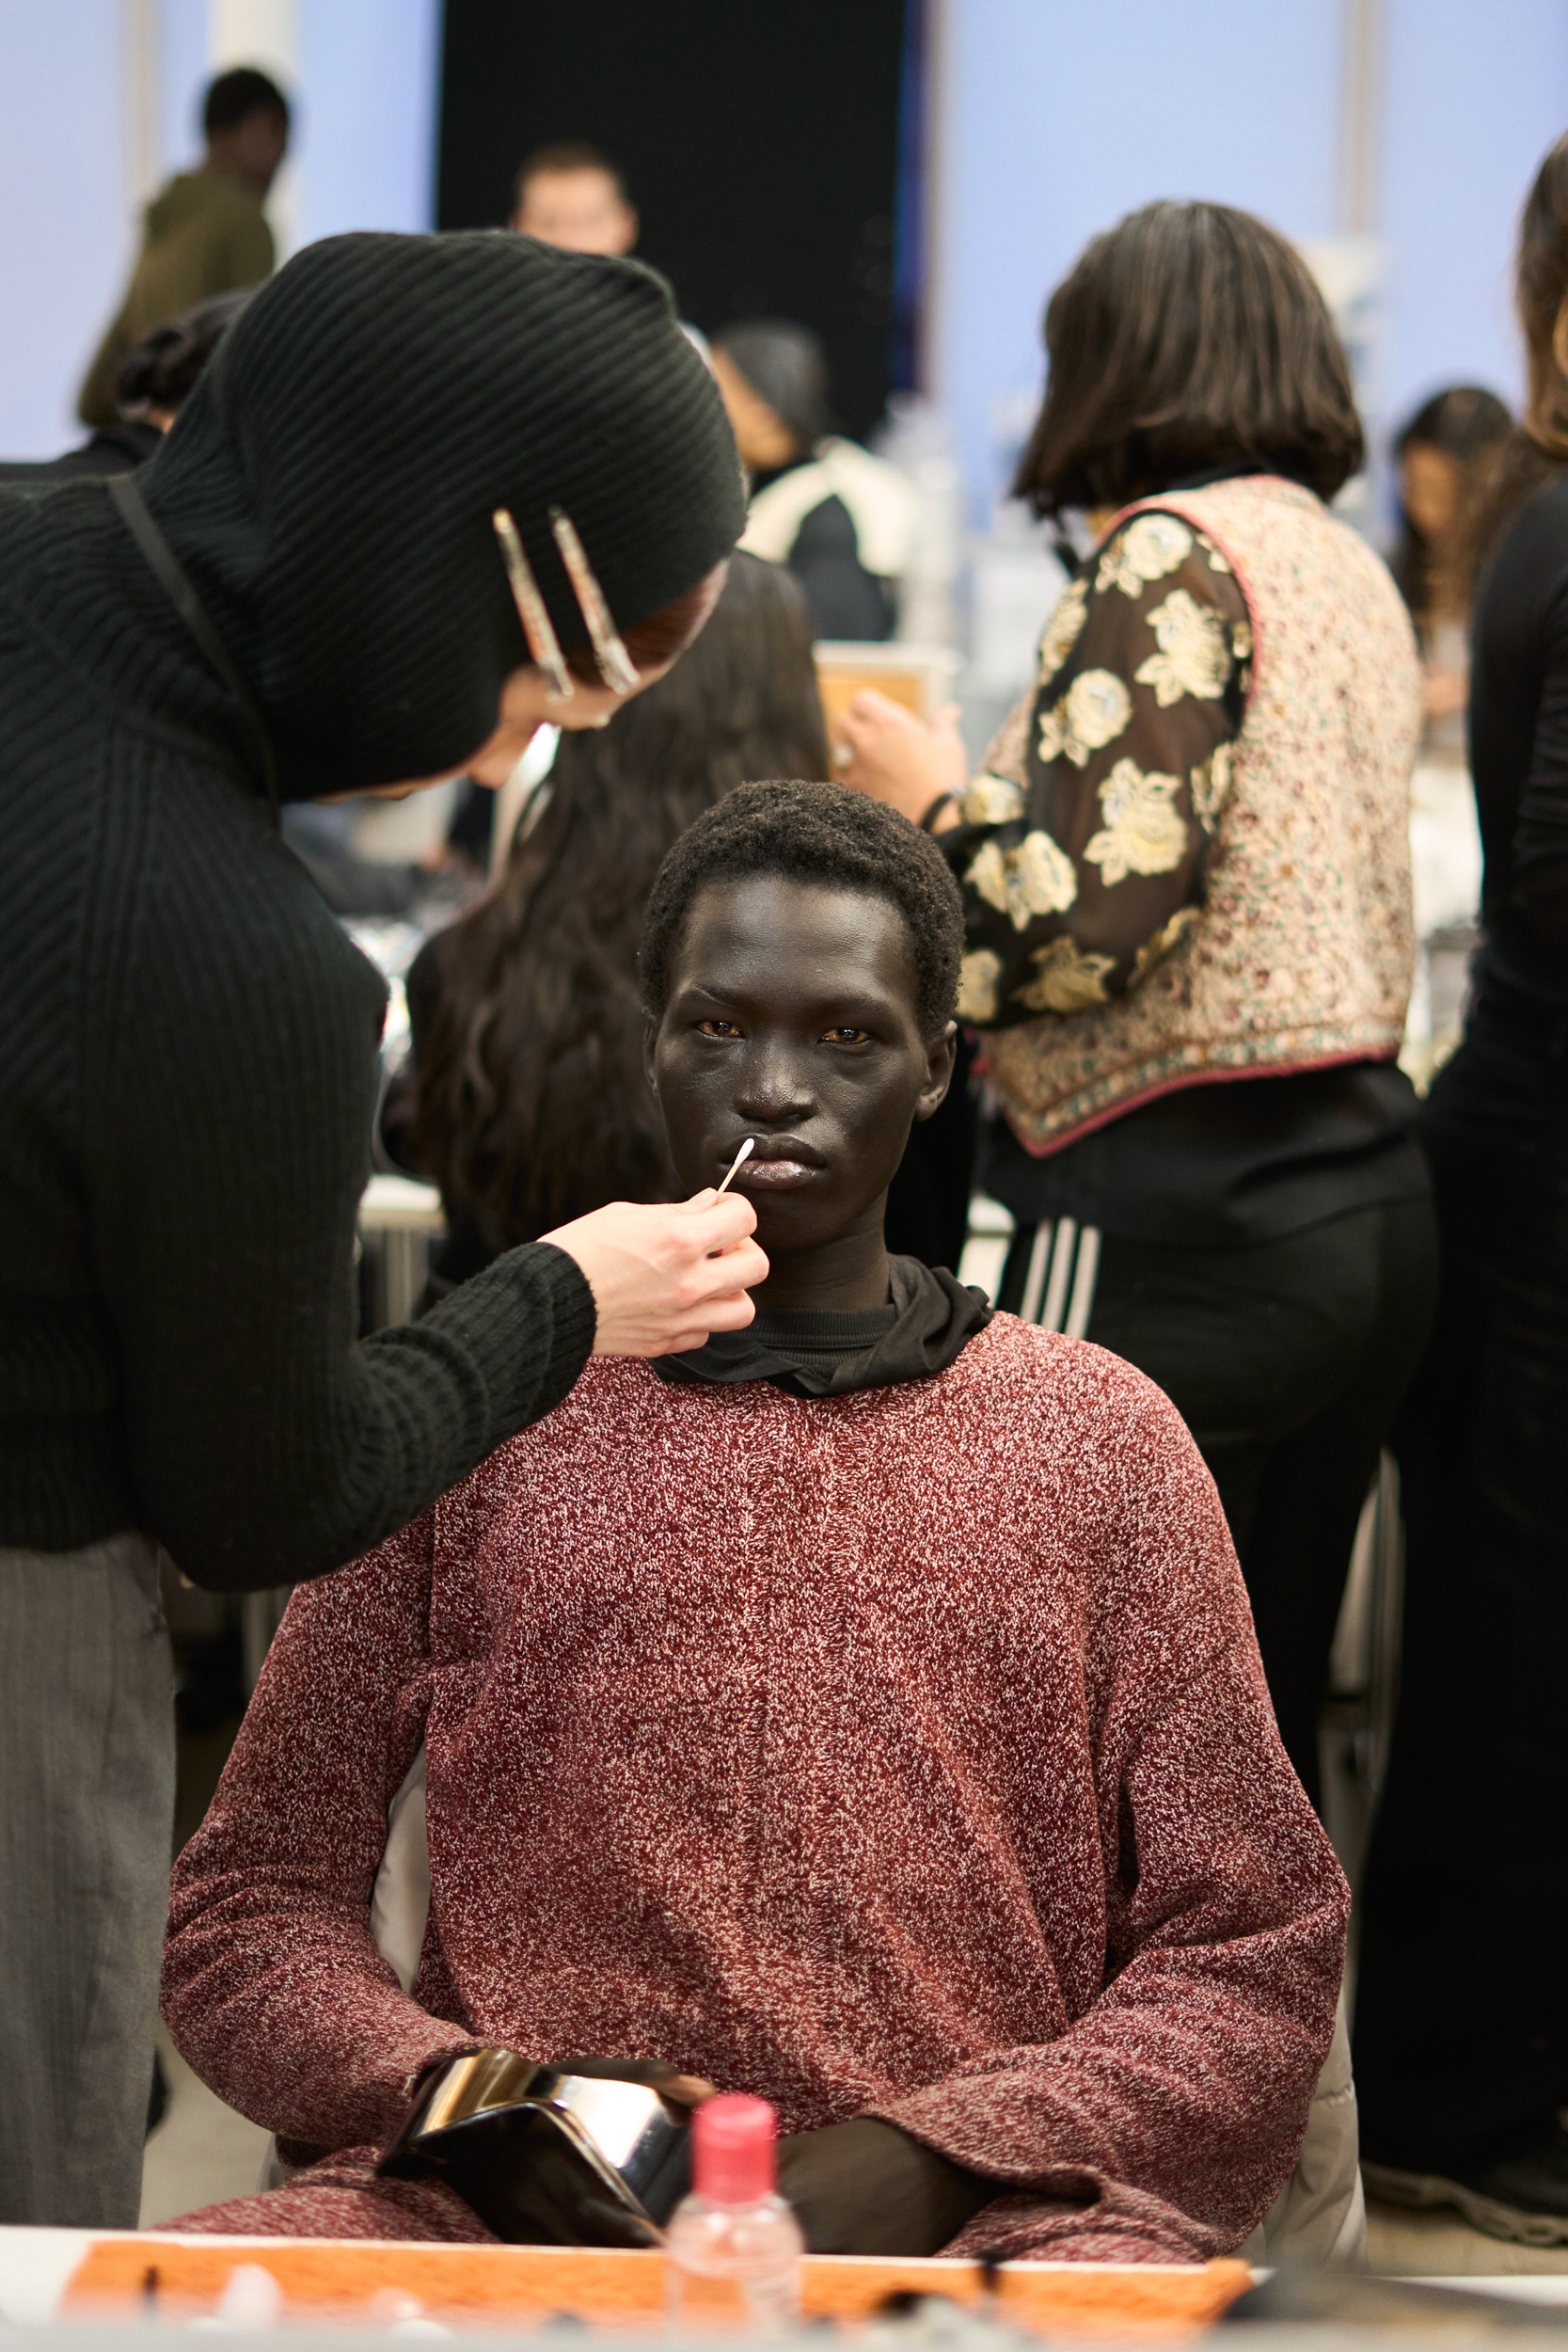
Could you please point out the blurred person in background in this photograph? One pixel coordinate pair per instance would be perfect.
(283, 603)
(1462, 2022)
(844, 521)
(1444, 454)
(155, 377)
(206, 233)
(529, 1102)
(569, 195)
(1186, 875)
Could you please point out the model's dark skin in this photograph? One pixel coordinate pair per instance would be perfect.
(791, 1018)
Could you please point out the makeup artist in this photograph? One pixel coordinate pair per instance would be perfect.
(304, 592)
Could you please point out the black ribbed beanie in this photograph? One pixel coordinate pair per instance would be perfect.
(329, 484)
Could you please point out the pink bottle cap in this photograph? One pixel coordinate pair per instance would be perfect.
(733, 2161)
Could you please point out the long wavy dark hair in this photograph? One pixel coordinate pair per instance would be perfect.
(532, 1106)
(1537, 451)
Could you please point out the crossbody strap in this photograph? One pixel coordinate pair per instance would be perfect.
(175, 582)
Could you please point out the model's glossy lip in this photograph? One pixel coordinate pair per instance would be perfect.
(776, 1175)
(778, 1164)
(777, 1148)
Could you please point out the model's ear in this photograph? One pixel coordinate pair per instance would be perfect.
(938, 1073)
(650, 1038)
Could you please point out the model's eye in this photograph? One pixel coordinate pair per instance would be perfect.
(718, 1028)
(847, 1035)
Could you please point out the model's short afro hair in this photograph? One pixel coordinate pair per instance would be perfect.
(814, 833)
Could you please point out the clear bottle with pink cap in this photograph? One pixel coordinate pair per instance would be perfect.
(733, 2248)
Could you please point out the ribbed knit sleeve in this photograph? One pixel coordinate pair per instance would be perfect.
(228, 1102)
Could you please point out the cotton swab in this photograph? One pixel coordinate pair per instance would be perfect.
(744, 1153)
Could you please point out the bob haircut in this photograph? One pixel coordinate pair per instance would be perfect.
(1187, 339)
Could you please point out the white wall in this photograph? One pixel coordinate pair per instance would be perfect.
(1477, 91)
(1054, 119)
(1051, 119)
(370, 72)
(63, 243)
(74, 171)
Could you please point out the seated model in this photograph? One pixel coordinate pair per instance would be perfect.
(862, 1712)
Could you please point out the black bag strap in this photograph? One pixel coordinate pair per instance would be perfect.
(171, 578)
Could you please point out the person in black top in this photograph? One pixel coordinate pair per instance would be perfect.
(305, 591)
(844, 521)
(1461, 2019)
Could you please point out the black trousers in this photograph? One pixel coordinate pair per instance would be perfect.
(1286, 1358)
(1461, 2015)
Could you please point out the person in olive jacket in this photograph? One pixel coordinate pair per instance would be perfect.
(305, 592)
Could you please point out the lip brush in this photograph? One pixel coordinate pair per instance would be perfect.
(744, 1153)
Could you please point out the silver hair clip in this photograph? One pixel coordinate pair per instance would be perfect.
(616, 666)
(543, 643)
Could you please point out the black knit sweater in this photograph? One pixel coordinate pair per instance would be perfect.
(189, 1040)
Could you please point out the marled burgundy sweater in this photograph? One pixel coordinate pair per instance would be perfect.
(905, 1750)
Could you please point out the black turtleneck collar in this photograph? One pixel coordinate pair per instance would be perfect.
(928, 1322)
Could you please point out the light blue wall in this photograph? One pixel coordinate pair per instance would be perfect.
(183, 31)
(64, 240)
(369, 78)
(1476, 95)
(1055, 118)
(366, 149)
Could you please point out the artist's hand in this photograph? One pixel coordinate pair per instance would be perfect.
(865, 2187)
(901, 759)
(682, 2091)
(663, 1279)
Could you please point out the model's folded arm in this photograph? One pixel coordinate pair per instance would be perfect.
(273, 1989)
(1188, 2080)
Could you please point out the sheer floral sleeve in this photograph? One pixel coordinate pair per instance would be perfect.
(1084, 846)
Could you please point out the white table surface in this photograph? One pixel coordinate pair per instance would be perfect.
(35, 2264)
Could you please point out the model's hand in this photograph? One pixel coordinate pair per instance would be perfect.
(664, 1278)
(901, 759)
(865, 2187)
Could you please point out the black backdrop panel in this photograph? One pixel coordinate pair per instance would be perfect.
(759, 139)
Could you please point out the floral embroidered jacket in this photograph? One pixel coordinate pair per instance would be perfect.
(1188, 856)
(905, 1750)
